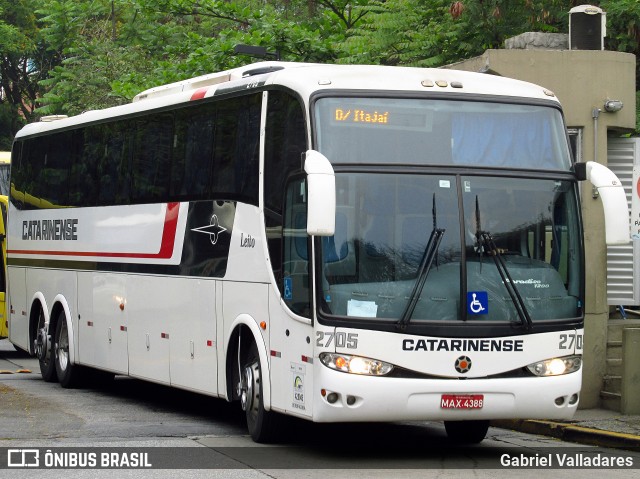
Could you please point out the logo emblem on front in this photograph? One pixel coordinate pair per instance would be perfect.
(213, 230)
(463, 364)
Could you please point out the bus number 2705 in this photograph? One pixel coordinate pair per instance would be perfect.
(342, 340)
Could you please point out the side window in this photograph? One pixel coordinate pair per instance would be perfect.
(113, 162)
(151, 162)
(52, 161)
(295, 284)
(193, 153)
(83, 175)
(236, 149)
(285, 141)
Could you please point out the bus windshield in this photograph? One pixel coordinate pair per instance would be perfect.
(447, 132)
(421, 246)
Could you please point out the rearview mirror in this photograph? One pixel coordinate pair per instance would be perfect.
(321, 194)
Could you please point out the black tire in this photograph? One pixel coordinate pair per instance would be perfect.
(43, 349)
(68, 374)
(466, 432)
(262, 425)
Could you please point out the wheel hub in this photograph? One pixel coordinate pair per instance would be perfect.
(41, 344)
(246, 388)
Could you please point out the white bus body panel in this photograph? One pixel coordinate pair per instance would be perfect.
(292, 360)
(102, 330)
(193, 336)
(246, 255)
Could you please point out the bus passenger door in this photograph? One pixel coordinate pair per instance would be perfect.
(291, 335)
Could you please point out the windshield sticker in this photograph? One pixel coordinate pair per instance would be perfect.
(363, 309)
(477, 302)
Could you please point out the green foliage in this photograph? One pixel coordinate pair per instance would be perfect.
(437, 32)
(67, 56)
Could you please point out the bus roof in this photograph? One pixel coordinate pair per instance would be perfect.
(306, 79)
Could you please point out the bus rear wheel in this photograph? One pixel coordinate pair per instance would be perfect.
(466, 432)
(42, 347)
(68, 374)
(260, 423)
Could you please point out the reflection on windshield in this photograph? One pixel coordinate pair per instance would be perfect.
(383, 224)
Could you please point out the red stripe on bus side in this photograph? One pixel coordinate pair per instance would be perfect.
(199, 93)
(166, 246)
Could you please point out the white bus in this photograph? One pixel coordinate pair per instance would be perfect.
(336, 243)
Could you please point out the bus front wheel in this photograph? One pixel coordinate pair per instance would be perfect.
(260, 423)
(466, 432)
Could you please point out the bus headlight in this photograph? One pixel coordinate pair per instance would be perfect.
(355, 364)
(556, 366)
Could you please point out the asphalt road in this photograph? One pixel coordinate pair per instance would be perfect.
(189, 435)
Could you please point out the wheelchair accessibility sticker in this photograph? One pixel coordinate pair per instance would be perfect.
(288, 288)
(477, 302)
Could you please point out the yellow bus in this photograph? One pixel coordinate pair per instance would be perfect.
(5, 162)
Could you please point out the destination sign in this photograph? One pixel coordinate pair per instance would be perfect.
(360, 116)
(357, 115)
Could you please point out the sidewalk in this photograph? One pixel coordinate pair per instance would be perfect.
(597, 427)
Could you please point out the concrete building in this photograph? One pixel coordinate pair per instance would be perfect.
(583, 80)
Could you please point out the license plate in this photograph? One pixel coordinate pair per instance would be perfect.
(461, 401)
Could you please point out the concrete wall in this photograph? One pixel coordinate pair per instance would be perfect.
(582, 81)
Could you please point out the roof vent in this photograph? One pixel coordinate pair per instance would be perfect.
(587, 28)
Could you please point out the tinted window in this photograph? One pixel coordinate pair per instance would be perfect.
(151, 159)
(202, 151)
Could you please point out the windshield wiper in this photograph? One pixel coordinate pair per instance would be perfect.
(487, 245)
(430, 253)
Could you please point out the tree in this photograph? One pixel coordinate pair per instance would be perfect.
(438, 32)
(23, 63)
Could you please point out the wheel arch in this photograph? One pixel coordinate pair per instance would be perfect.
(245, 327)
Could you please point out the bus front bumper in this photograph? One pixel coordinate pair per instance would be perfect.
(352, 398)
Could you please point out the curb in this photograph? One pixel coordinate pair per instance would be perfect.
(573, 433)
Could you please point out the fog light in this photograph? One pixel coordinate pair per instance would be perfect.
(351, 400)
(573, 399)
(559, 401)
(332, 398)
